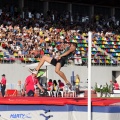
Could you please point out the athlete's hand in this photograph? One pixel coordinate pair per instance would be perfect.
(42, 90)
(58, 58)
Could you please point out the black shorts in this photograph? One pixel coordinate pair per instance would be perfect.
(61, 61)
(30, 93)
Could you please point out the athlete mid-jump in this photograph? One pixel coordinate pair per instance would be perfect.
(58, 62)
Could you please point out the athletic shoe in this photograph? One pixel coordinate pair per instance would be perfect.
(69, 85)
(34, 71)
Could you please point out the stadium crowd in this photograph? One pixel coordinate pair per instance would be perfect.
(32, 35)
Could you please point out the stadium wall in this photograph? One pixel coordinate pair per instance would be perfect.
(100, 74)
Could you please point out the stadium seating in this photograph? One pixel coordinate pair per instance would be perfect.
(104, 45)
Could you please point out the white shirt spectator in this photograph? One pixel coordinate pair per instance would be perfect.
(18, 47)
(38, 15)
(29, 15)
(117, 23)
(19, 52)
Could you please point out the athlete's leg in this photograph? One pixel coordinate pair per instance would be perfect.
(60, 73)
(43, 59)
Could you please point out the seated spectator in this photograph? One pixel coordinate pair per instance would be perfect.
(50, 83)
(61, 85)
(55, 85)
(54, 88)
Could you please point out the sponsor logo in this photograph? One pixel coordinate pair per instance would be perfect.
(45, 116)
(22, 116)
(46, 111)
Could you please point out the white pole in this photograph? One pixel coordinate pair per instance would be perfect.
(89, 74)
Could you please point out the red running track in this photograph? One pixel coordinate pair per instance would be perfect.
(57, 101)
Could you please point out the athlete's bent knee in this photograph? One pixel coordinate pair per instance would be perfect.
(57, 71)
(44, 57)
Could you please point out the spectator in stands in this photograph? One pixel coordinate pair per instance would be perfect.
(30, 85)
(115, 85)
(3, 85)
(33, 35)
(59, 62)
